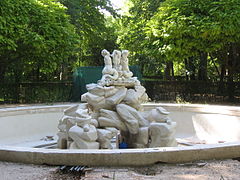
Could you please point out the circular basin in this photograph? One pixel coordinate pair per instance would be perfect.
(28, 135)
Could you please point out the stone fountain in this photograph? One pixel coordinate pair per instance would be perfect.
(113, 108)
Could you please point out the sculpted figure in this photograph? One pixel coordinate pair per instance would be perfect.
(162, 134)
(83, 133)
(116, 55)
(105, 136)
(124, 62)
(162, 129)
(114, 108)
(108, 71)
(83, 137)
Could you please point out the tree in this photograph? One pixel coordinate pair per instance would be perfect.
(92, 28)
(186, 29)
(132, 36)
(36, 37)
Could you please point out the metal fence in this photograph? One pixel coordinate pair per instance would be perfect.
(173, 91)
(35, 92)
(193, 91)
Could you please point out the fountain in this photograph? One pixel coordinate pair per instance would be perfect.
(113, 108)
(114, 128)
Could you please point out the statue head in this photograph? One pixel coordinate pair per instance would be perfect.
(105, 53)
(116, 54)
(125, 53)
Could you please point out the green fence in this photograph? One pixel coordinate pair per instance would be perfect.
(86, 75)
(158, 90)
(35, 92)
(192, 91)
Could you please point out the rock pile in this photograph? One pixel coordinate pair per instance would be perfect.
(113, 109)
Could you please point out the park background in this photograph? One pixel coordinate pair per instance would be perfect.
(186, 51)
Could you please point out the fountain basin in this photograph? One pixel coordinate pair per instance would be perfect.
(203, 132)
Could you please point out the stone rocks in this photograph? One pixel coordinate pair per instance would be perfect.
(105, 136)
(84, 138)
(162, 134)
(109, 118)
(113, 106)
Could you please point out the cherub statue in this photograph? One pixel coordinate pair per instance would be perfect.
(124, 62)
(108, 71)
(116, 55)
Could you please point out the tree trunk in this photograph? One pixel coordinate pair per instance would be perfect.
(187, 69)
(222, 57)
(202, 71)
(2, 72)
(222, 75)
(190, 68)
(172, 69)
(3, 66)
(230, 87)
(169, 71)
(232, 64)
(37, 75)
(17, 78)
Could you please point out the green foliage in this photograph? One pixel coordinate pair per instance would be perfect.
(183, 31)
(35, 36)
(184, 28)
(92, 28)
(132, 36)
(44, 40)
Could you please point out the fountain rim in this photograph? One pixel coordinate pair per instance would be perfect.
(122, 157)
(205, 108)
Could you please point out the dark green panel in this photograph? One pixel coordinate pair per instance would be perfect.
(91, 74)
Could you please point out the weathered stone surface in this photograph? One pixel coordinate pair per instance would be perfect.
(83, 139)
(62, 140)
(131, 99)
(93, 99)
(114, 105)
(141, 94)
(82, 113)
(81, 144)
(162, 135)
(104, 138)
(128, 114)
(94, 122)
(71, 110)
(117, 61)
(95, 89)
(142, 136)
(126, 73)
(159, 114)
(117, 97)
(109, 73)
(87, 133)
(110, 91)
(109, 118)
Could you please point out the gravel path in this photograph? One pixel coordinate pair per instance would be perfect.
(213, 170)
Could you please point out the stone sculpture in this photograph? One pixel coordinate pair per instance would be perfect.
(113, 109)
(117, 61)
(109, 73)
(124, 62)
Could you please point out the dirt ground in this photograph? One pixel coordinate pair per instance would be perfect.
(215, 170)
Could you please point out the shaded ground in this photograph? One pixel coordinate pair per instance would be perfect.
(215, 170)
